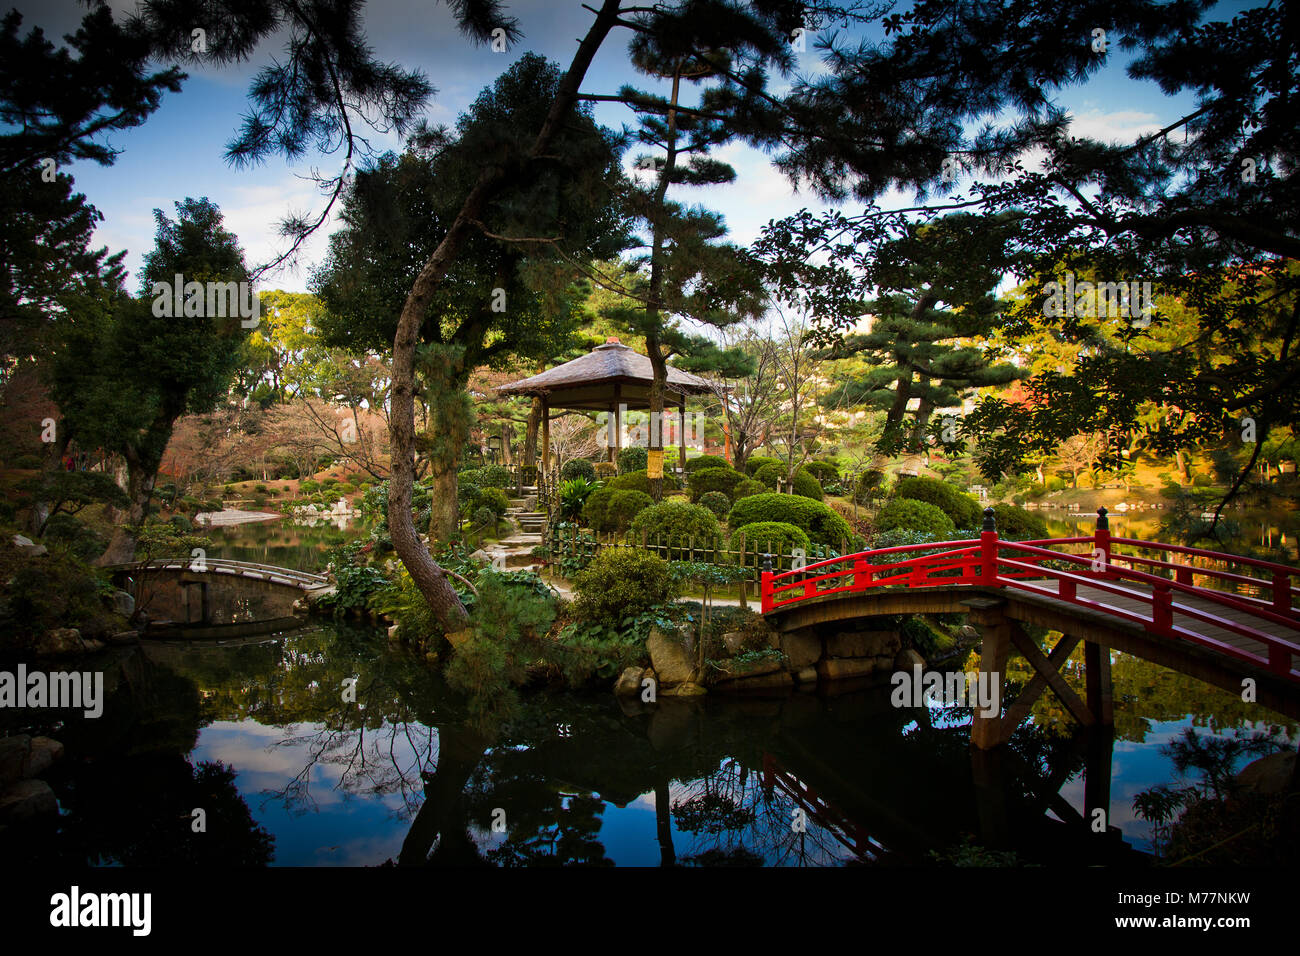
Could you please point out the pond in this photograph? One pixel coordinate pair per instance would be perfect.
(263, 737)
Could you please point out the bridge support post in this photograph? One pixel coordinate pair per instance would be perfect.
(1101, 697)
(995, 629)
(989, 777)
(1099, 757)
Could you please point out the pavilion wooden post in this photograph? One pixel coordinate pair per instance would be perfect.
(546, 436)
(616, 416)
(681, 435)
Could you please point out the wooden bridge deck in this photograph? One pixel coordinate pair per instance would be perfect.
(289, 577)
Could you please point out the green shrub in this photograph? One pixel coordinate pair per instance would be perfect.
(632, 459)
(494, 499)
(771, 537)
(72, 533)
(485, 518)
(676, 520)
(823, 471)
(624, 506)
(818, 520)
(1017, 523)
(346, 488)
(804, 483)
(961, 508)
(755, 462)
(578, 468)
(716, 501)
(494, 476)
(594, 508)
(705, 461)
(305, 487)
(770, 473)
(705, 480)
(329, 481)
(748, 487)
(473, 476)
(261, 489)
(27, 462)
(640, 481)
(606, 469)
(621, 582)
(914, 515)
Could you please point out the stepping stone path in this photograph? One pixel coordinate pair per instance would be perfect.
(517, 549)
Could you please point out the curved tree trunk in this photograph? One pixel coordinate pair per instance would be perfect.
(424, 571)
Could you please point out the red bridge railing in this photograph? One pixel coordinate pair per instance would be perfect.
(1261, 606)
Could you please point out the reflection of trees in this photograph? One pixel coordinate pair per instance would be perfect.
(129, 790)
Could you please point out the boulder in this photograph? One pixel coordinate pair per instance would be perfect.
(124, 637)
(60, 642)
(481, 556)
(780, 680)
(863, 644)
(669, 659)
(907, 659)
(756, 668)
(27, 800)
(123, 603)
(628, 683)
(393, 632)
(41, 756)
(801, 649)
(807, 675)
(968, 633)
(13, 756)
(734, 641)
(29, 548)
(1269, 775)
(686, 689)
(843, 668)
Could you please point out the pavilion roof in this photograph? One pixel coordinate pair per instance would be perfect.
(605, 373)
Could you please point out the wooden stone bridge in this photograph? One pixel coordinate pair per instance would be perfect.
(1224, 619)
(217, 593)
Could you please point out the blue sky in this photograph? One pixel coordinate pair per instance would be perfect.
(179, 150)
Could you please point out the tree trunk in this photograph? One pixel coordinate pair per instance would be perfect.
(530, 434)
(657, 388)
(444, 510)
(424, 571)
(141, 475)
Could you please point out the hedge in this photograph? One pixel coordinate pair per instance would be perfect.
(1017, 523)
(640, 481)
(713, 479)
(771, 537)
(715, 501)
(705, 461)
(494, 476)
(820, 522)
(913, 515)
(578, 468)
(623, 507)
(676, 520)
(748, 487)
(961, 508)
(632, 459)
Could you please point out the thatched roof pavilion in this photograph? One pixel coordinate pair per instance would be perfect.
(610, 378)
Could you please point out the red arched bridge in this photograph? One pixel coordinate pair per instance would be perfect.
(1226, 619)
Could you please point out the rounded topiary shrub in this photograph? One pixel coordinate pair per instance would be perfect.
(606, 469)
(818, 520)
(593, 509)
(1017, 523)
(620, 582)
(748, 487)
(869, 486)
(675, 521)
(485, 517)
(777, 538)
(755, 462)
(823, 471)
(578, 468)
(803, 483)
(624, 505)
(961, 508)
(913, 515)
(770, 473)
(717, 502)
(705, 461)
(640, 481)
(494, 476)
(705, 480)
(632, 459)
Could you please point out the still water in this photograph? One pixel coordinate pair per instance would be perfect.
(261, 735)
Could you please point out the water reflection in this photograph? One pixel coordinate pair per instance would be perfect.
(407, 775)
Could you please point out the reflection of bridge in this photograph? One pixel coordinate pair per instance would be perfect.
(1148, 606)
(288, 577)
